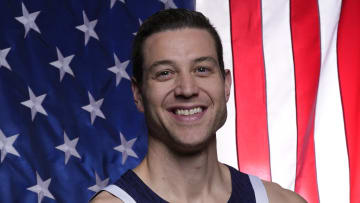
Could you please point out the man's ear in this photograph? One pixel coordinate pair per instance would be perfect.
(137, 94)
(227, 84)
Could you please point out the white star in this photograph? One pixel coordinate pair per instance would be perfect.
(69, 147)
(34, 103)
(88, 28)
(100, 184)
(6, 145)
(41, 188)
(28, 20)
(3, 55)
(126, 148)
(168, 3)
(63, 64)
(114, 1)
(140, 23)
(119, 69)
(94, 108)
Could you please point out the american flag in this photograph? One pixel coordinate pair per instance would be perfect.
(296, 104)
(68, 124)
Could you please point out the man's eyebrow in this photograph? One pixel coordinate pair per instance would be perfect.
(159, 63)
(206, 58)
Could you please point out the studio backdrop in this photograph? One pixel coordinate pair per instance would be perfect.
(69, 126)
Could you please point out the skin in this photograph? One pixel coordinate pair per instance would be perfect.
(182, 74)
(181, 71)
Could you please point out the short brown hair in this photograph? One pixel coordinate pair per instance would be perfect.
(171, 19)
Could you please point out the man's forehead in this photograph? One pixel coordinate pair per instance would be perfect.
(169, 34)
(178, 41)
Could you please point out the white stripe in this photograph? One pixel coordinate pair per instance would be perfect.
(119, 193)
(218, 13)
(280, 83)
(259, 189)
(330, 144)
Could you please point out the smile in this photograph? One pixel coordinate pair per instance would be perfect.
(187, 112)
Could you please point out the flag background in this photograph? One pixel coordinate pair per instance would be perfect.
(30, 64)
(296, 93)
(293, 115)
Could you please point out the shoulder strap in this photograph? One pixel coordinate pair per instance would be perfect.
(130, 188)
(259, 189)
(119, 193)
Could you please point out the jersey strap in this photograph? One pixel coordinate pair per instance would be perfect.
(259, 189)
(119, 193)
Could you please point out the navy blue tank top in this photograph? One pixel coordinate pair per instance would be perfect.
(242, 189)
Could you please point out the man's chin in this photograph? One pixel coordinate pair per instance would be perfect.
(190, 148)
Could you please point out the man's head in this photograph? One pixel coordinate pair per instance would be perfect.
(183, 89)
(171, 19)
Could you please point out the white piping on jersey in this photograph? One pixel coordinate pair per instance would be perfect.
(119, 193)
(259, 189)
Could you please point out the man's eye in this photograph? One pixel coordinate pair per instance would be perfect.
(163, 75)
(203, 70)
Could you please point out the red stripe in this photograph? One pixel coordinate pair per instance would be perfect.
(305, 29)
(250, 90)
(349, 77)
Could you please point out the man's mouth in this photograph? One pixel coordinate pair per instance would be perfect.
(187, 112)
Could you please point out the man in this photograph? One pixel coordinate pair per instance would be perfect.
(182, 87)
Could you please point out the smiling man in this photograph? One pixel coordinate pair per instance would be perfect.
(182, 87)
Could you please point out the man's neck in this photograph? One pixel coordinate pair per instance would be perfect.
(191, 178)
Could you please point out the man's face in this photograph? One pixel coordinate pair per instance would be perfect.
(183, 94)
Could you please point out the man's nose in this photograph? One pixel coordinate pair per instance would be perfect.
(186, 86)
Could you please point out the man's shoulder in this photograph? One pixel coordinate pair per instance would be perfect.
(105, 197)
(278, 194)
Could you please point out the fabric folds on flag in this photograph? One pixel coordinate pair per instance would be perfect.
(69, 127)
(297, 92)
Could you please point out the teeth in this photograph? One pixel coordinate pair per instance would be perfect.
(186, 112)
